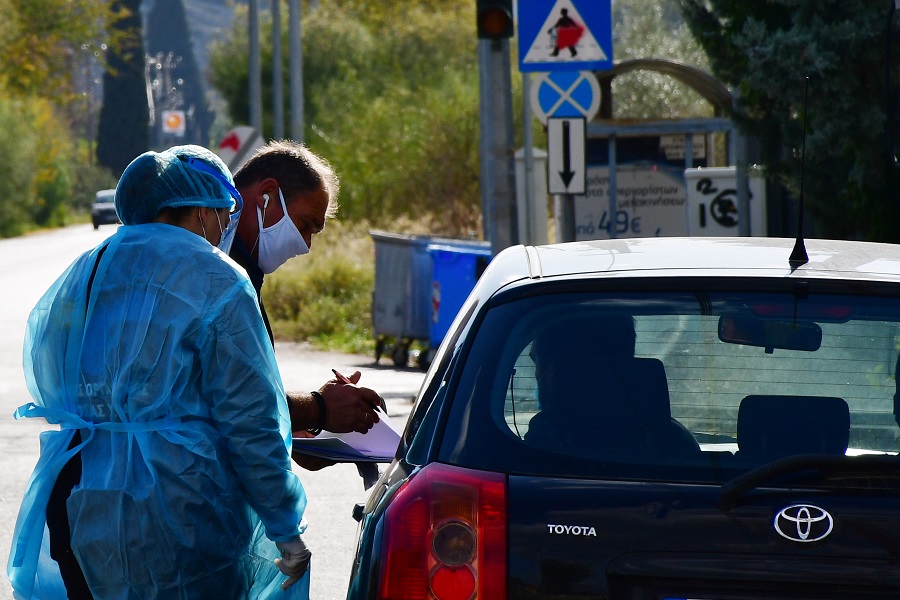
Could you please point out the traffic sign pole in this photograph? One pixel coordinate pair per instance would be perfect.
(572, 98)
(498, 183)
(564, 40)
(566, 164)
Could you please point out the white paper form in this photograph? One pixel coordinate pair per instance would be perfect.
(379, 444)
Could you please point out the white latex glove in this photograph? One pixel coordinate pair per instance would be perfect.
(294, 560)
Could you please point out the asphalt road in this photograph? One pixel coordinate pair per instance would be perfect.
(30, 264)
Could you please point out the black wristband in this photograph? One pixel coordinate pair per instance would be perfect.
(320, 400)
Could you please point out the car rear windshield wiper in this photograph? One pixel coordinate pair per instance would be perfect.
(828, 465)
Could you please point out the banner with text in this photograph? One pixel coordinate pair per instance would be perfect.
(650, 201)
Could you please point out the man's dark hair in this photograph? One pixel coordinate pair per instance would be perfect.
(297, 169)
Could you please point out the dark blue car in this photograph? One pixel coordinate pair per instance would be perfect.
(103, 211)
(653, 419)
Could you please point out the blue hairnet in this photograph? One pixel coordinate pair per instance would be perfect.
(156, 180)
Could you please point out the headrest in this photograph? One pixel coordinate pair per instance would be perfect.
(776, 426)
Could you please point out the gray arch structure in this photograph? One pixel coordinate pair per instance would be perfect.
(704, 83)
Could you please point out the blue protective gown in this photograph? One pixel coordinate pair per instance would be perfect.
(167, 371)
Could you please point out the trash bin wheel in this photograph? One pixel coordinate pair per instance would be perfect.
(400, 355)
(424, 359)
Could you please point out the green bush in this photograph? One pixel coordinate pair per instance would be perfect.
(46, 182)
(325, 298)
(88, 179)
(19, 142)
(54, 188)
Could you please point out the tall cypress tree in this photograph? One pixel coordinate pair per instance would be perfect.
(167, 31)
(122, 132)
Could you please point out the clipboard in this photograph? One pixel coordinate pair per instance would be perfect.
(378, 445)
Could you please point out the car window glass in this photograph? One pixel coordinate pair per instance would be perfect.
(105, 198)
(644, 379)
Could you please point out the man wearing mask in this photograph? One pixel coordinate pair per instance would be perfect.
(288, 193)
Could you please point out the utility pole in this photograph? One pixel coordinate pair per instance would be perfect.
(498, 182)
(255, 71)
(277, 83)
(296, 67)
(498, 168)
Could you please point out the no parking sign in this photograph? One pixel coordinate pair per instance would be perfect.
(565, 94)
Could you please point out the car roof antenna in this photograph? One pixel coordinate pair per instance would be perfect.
(799, 255)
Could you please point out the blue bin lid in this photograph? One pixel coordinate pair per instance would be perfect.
(468, 249)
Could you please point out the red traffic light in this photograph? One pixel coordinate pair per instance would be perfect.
(495, 19)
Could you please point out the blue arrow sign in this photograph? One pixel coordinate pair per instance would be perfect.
(570, 35)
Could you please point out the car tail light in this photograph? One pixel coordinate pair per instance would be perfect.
(445, 537)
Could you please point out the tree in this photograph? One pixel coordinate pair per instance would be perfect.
(40, 43)
(390, 98)
(123, 132)
(767, 51)
(16, 176)
(39, 37)
(656, 29)
(167, 31)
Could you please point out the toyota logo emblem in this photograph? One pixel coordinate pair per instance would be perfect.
(803, 523)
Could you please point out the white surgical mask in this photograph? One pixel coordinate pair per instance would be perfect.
(279, 242)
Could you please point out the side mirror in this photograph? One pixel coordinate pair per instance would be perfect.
(769, 333)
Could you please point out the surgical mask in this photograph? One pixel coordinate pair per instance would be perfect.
(222, 232)
(279, 242)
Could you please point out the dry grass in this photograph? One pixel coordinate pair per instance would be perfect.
(325, 297)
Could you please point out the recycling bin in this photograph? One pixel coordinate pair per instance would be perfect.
(455, 269)
(403, 311)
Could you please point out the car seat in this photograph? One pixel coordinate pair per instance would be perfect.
(644, 414)
(771, 427)
(622, 410)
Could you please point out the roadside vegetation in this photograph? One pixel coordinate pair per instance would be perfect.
(391, 99)
(813, 83)
(48, 175)
(325, 297)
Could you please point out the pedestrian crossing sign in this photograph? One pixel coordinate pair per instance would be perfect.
(571, 35)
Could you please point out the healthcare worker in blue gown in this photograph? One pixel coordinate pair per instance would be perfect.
(150, 354)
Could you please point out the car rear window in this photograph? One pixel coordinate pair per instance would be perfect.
(105, 197)
(673, 385)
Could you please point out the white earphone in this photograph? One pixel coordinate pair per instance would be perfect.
(266, 201)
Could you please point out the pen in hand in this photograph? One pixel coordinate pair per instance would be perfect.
(341, 378)
(345, 379)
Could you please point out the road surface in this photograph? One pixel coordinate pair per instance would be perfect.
(31, 263)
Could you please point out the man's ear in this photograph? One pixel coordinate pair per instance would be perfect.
(266, 190)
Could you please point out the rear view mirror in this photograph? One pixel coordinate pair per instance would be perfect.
(770, 334)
